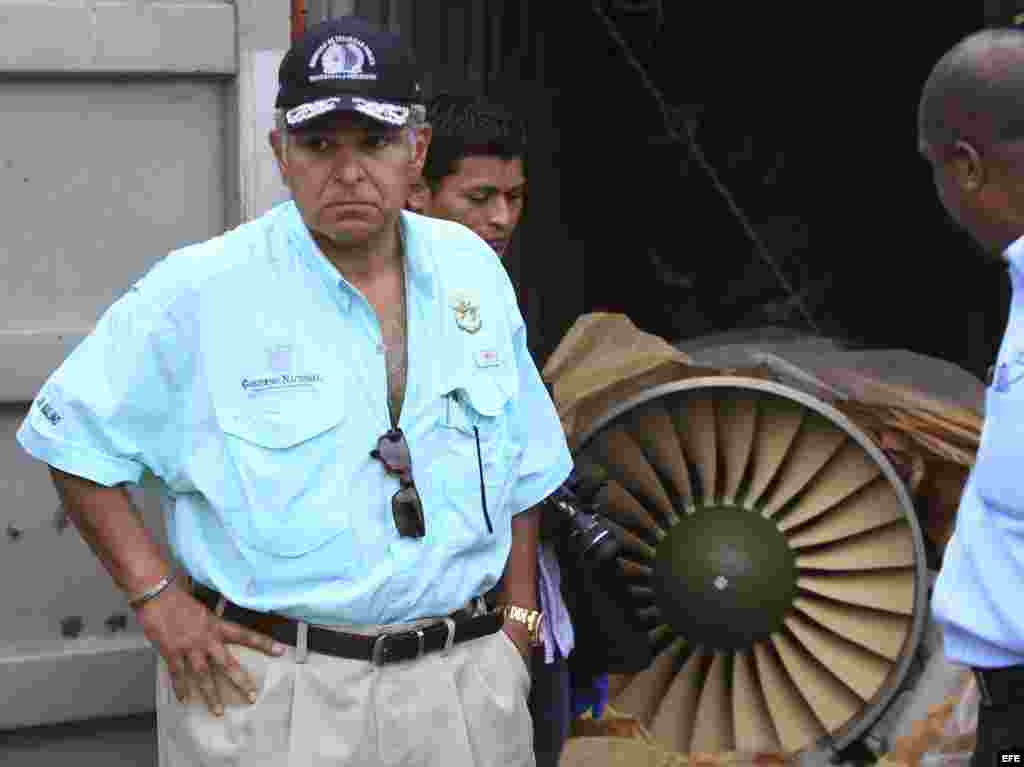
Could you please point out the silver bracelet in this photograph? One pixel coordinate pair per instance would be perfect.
(153, 593)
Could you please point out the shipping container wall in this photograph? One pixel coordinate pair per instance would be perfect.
(128, 132)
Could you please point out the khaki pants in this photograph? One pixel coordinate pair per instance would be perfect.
(463, 708)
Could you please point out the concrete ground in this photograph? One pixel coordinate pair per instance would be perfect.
(124, 742)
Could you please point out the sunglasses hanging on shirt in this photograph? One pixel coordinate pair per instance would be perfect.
(406, 506)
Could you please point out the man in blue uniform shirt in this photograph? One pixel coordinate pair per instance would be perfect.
(338, 401)
(971, 131)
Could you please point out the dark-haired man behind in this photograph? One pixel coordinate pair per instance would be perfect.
(475, 171)
(475, 174)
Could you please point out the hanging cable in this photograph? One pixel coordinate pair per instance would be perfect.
(671, 117)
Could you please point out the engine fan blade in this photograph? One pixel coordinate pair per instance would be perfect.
(640, 698)
(794, 721)
(672, 725)
(872, 507)
(860, 670)
(737, 419)
(626, 510)
(881, 632)
(754, 730)
(778, 425)
(815, 445)
(891, 546)
(848, 471)
(624, 461)
(713, 727)
(632, 569)
(830, 700)
(631, 543)
(694, 419)
(653, 430)
(890, 590)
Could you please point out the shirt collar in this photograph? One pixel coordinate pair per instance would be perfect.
(418, 260)
(1014, 255)
(418, 253)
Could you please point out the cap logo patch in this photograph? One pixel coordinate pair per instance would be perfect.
(342, 57)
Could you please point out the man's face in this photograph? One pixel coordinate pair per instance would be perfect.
(486, 194)
(976, 192)
(350, 176)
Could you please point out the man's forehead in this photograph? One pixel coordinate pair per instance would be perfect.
(491, 170)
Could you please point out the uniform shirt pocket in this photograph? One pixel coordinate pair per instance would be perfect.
(287, 470)
(1001, 453)
(477, 443)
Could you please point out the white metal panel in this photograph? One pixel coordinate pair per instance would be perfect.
(127, 133)
(99, 180)
(260, 179)
(117, 36)
(69, 646)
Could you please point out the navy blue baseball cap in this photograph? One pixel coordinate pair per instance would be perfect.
(348, 65)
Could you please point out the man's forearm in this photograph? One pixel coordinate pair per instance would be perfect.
(520, 579)
(113, 528)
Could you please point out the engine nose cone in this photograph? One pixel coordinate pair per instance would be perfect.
(724, 577)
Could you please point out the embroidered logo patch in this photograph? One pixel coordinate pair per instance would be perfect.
(275, 383)
(281, 360)
(342, 57)
(49, 411)
(467, 312)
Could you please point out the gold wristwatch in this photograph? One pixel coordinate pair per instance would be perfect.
(532, 619)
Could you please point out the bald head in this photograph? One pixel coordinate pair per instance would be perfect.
(976, 91)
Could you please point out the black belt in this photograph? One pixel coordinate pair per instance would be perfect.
(1000, 686)
(380, 648)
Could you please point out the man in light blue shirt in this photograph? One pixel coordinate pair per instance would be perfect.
(338, 401)
(971, 131)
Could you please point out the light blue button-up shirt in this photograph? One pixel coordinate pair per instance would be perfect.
(249, 377)
(978, 595)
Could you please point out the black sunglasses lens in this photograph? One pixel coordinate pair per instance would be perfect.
(393, 451)
(407, 510)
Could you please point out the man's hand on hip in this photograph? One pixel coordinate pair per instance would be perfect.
(191, 640)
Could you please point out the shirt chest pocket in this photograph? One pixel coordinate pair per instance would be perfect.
(1001, 453)
(478, 462)
(288, 470)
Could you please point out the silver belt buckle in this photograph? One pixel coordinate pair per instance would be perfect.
(380, 650)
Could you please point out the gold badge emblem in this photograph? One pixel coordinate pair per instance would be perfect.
(467, 312)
